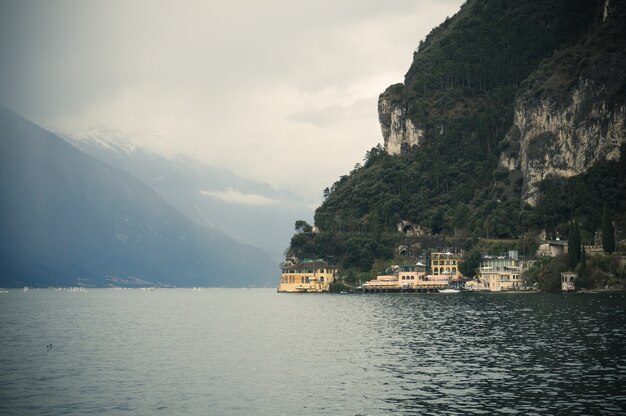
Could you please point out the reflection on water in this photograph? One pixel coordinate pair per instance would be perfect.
(258, 352)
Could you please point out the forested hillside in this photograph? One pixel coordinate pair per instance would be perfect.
(450, 118)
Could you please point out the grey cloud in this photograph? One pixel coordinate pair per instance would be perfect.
(333, 114)
(213, 78)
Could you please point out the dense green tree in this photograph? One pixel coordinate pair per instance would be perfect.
(437, 222)
(608, 231)
(583, 259)
(471, 263)
(304, 246)
(546, 273)
(583, 197)
(574, 245)
(583, 278)
(302, 226)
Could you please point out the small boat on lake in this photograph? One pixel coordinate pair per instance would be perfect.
(449, 290)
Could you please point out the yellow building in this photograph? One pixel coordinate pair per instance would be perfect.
(445, 263)
(313, 276)
(410, 276)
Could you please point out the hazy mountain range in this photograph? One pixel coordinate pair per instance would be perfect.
(68, 218)
(251, 212)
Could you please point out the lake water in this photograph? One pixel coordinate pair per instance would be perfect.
(256, 352)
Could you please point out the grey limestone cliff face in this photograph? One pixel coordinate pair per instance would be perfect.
(551, 137)
(399, 132)
(570, 114)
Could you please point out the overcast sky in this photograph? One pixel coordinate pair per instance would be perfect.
(283, 92)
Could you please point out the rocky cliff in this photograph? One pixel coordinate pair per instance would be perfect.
(551, 73)
(570, 113)
(498, 97)
(564, 139)
(399, 132)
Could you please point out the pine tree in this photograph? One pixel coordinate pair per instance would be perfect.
(583, 261)
(574, 245)
(608, 232)
(582, 278)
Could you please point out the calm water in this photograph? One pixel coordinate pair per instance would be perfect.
(251, 352)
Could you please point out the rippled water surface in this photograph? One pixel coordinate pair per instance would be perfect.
(244, 352)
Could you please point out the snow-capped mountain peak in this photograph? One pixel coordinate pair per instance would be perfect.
(105, 137)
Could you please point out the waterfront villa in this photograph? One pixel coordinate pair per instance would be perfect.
(307, 276)
(407, 277)
(567, 281)
(501, 273)
(445, 263)
(410, 275)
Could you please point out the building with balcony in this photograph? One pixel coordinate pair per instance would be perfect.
(310, 276)
(410, 277)
(568, 281)
(502, 273)
(445, 263)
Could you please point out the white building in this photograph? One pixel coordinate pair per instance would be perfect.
(502, 273)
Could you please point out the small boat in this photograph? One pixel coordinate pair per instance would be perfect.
(343, 292)
(449, 290)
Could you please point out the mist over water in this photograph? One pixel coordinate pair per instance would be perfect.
(233, 352)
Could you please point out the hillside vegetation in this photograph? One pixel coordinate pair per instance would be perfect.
(460, 91)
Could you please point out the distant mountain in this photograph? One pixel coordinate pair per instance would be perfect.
(68, 218)
(249, 211)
